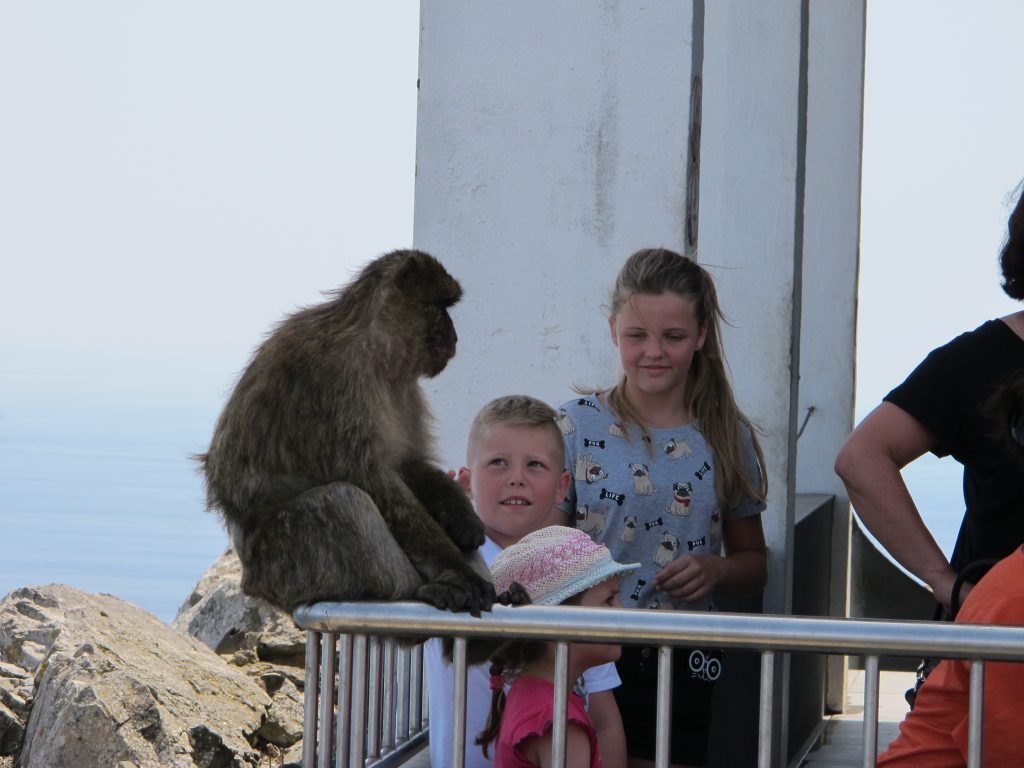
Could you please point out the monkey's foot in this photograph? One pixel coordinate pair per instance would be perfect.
(452, 591)
(516, 594)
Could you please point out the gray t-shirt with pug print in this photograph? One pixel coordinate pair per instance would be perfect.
(646, 507)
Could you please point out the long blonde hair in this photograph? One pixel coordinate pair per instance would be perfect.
(708, 397)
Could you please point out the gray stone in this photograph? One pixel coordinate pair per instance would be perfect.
(220, 615)
(114, 685)
(283, 724)
(12, 730)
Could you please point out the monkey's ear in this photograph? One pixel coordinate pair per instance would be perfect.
(422, 277)
(409, 272)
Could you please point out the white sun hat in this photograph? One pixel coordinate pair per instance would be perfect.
(555, 563)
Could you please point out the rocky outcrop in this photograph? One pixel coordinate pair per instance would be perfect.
(91, 680)
(113, 685)
(233, 624)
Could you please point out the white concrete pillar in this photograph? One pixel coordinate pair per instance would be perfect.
(830, 263)
(551, 144)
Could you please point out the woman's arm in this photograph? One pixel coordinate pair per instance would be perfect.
(869, 464)
(742, 570)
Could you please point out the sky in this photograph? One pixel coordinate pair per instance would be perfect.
(175, 177)
(942, 156)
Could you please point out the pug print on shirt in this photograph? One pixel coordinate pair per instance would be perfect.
(646, 506)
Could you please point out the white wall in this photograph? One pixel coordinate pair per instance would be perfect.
(748, 219)
(831, 237)
(830, 264)
(551, 144)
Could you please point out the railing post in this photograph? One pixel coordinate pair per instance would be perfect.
(765, 724)
(373, 713)
(357, 746)
(975, 715)
(328, 665)
(560, 706)
(417, 691)
(459, 703)
(664, 724)
(343, 719)
(310, 699)
(403, 699)
(870, 749)
(388, 708)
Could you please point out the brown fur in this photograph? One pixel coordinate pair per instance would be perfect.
(322, 463)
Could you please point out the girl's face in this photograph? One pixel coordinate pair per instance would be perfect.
(603, 595)
(657, 336)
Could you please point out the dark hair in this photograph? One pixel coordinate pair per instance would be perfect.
(1011, 259)
(509, 658)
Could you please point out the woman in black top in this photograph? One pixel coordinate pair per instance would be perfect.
(941, 407)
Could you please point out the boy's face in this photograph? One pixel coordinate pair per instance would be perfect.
(515, 481)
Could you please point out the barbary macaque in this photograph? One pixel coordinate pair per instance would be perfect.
(322, 462)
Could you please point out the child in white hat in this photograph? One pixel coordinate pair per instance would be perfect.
(554, 565)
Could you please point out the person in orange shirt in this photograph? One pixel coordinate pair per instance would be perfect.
(934, 733)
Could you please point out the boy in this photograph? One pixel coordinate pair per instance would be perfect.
(516, 478)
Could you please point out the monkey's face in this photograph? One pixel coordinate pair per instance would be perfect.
(440, 342)
(425, 292)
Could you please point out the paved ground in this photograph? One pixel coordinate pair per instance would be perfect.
(841, 744)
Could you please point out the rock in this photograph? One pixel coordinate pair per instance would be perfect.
(230, 622)
(283, 724)
(116, 686)
(12, 730)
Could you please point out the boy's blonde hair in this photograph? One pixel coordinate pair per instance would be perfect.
(516, 411)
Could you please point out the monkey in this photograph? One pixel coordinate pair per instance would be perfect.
(322, 464)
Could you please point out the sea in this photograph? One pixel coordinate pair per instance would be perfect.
(120, 510)
(117, 510)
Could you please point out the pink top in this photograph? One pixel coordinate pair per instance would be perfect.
(528, 712)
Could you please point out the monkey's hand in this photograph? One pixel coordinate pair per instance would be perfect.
(467, 533)
(516, 594)
(446, 501)
(458, 591)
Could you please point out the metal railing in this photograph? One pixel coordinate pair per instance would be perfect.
(337, 725)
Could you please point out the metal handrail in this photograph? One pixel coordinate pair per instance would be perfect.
(770, 635)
